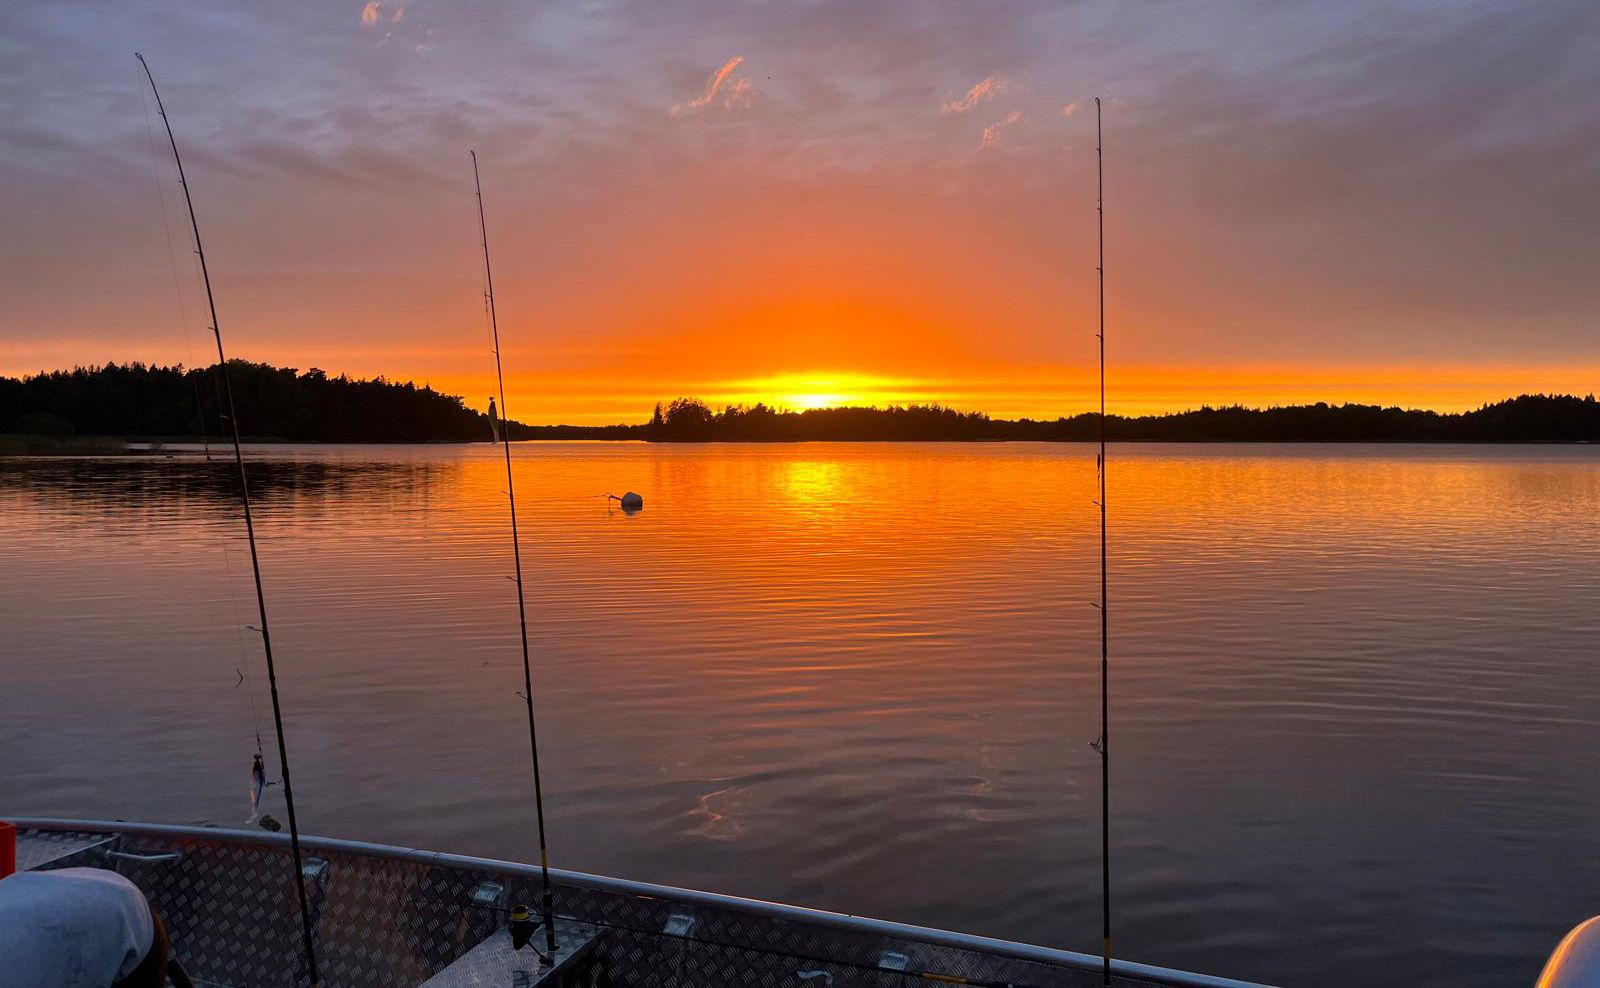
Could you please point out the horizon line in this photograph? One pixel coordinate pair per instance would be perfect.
(778, 405)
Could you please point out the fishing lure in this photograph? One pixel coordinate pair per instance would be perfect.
(258, 785)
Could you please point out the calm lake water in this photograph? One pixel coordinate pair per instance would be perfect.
(1355, 703)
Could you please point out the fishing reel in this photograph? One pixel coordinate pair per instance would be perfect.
(522, 927)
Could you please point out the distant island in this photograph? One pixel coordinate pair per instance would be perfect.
(138, 401)
(145, 401)
(1529, 418)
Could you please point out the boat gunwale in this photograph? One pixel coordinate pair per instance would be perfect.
(772, 910)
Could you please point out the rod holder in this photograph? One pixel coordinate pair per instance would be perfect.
(680, 924)
(488, 895)
(316, 870)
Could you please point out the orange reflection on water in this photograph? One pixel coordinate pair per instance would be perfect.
(815, 484)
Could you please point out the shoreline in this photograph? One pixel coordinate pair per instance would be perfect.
(39, 447)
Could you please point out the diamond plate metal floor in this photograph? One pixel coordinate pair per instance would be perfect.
(45, 849)
(495, 963)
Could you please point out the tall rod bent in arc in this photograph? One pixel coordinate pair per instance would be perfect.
(250, 534)
(1105, 636)
(548, 906)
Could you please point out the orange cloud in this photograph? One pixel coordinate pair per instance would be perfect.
(734, 92)
(995, 85)
(1070, 109)
(373, 12)
(991, 133)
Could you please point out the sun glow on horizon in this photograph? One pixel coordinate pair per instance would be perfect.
(815, 401)
(831, 389)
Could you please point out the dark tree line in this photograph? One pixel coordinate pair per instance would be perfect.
(273, 403)
(136, 400)
(590, 432)
(691, 420)
(1529, 418)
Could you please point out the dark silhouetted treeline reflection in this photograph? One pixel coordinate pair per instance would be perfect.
(136, 400)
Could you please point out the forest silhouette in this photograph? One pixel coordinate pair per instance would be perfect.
(283, 403)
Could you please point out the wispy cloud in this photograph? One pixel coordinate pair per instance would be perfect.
(731, 90)
(988, 89)
(1070, 108)
(373, 12)
(991, 133)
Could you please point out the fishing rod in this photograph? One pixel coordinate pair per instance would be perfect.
(1105, 636)
(250, 535)
(516, 555)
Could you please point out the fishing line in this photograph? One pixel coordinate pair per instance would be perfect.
(172, 260)
(492, 337)
(250, 691)
(188, 346)
(238, 635)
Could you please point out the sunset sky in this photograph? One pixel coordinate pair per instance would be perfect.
(818, 202)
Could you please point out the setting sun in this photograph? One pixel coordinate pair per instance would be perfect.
(814, 401)
(821, 390)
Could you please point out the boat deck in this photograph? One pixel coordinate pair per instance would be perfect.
(387, 916)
